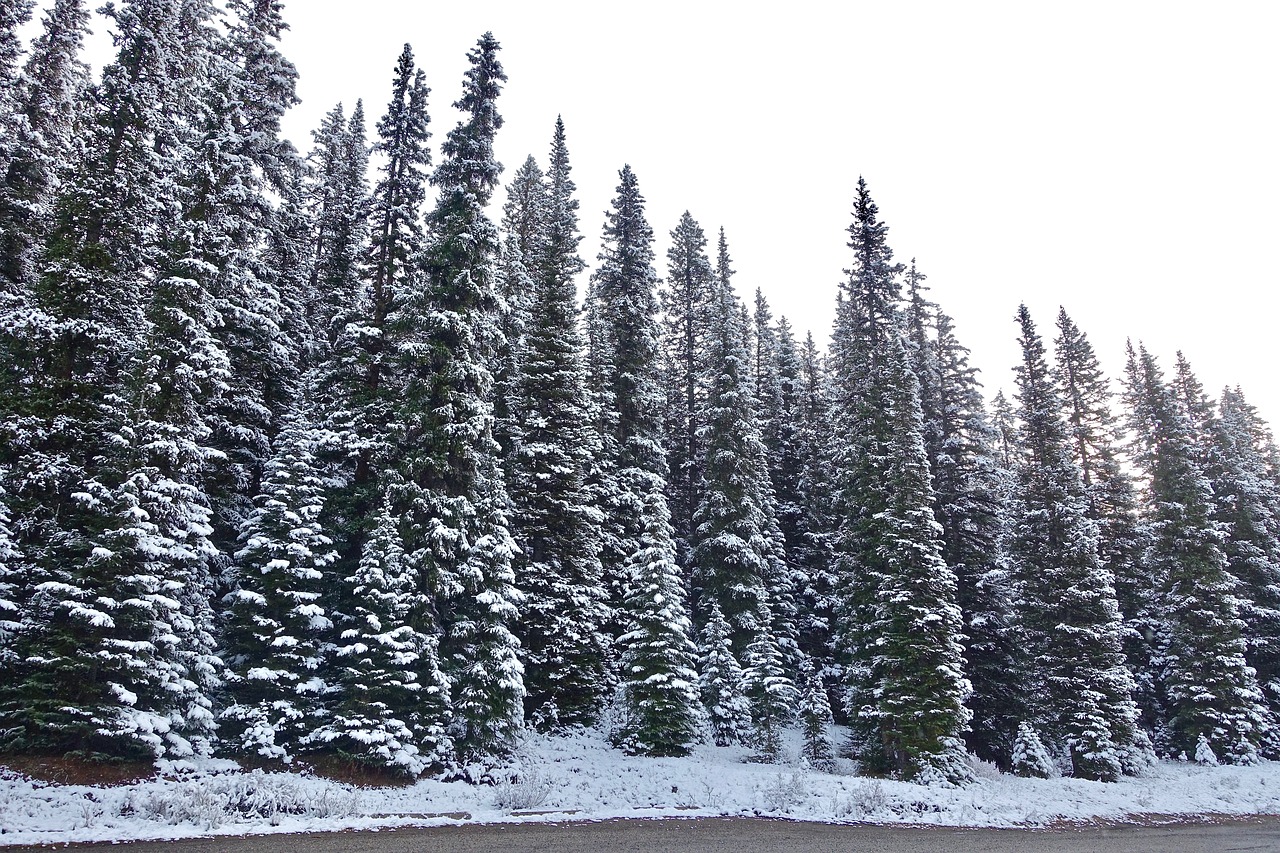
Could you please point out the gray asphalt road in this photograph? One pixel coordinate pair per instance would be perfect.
(737, 835)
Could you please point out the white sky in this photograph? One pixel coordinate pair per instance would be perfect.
(1118, 158)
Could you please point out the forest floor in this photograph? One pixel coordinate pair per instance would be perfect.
(555, 779)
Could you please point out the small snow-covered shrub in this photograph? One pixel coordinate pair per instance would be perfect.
(1204, 753)
(863, 801)
(983, 770)
(209, 802)
(1139, 757)
(945, 769)
(787, 791)
(526, 791)
(1030, 758)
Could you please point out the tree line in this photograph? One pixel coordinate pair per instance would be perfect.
(309, 456)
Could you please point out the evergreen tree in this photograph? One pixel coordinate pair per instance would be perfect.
(114, 658)
(813, 542)
(1209, 689)
(358, 393)
(1030, 758)
(565, 648)
(451, 498)
(391, 703)
(524, 223)
(277, 617)
(47, 99)
(685, 303)
(1080, 690)
(815, 719)
(970, 485)
(1112, 502)
(720, 682)
(660, 707)
(340, 209)
(730, 548)
(898, 626)
(770, 693)
(624, 363)
(1247, 503)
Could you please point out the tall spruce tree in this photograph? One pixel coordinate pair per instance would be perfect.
(47, 100)
(562, 627)
(1112, 503)
(686, 298)
(970, 485)
(450, 495)
(1208, 688)
(731, 553)
(339, 206)
(358, 390)
(1247, 503)
(898, 627)
(1081, 692)
(625, 363)
(115, 658)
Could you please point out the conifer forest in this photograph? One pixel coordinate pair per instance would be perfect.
(324, 454)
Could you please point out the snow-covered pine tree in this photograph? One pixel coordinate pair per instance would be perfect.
(1209, 689)
(1112, 503)
(524, 226)
(566, 649)
(731, 556)
(624, 362)
(47, 98)
(720, 683)
(114, 657)
(339, 206)
(815, 719)
(1029, 757)
(812, 544)
(277, 618)
(1247, 502)
(357, 391)
(241, 167)
(686, 300)
(770, 693)
(661, 711)
(450, 495)
(970, 485)
(897, 624)
(1080, 691)
(390, 702)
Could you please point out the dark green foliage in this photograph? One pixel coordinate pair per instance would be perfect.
(390, 702)
(1209, 689)
(721, 684)
(1081, 694)
(566, 651)
(661, 712)
(898, 627)
(449, 493)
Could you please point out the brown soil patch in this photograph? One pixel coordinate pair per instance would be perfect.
(77, 771)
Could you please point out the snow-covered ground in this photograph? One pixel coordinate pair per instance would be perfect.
(582, 778)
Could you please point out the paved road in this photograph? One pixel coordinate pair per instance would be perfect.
(736, 835)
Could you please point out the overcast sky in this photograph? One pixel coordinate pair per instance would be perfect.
(1116, 158)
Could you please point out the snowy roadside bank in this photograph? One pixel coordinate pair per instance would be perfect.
(581, 778)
